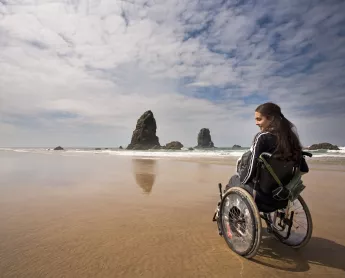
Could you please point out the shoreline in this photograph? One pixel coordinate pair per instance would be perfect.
(333, 163)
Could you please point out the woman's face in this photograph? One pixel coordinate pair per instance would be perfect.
(261, 121)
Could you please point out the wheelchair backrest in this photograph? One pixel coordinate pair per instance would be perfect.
(284, 170)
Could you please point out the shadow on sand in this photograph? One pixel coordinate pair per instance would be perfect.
(318, 251)
(145, 173)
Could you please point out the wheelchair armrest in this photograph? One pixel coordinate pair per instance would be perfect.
(307, 154)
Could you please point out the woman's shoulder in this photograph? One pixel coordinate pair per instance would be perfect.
(264, 140)
(262, 135)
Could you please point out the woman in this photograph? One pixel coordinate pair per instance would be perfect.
(277, 137)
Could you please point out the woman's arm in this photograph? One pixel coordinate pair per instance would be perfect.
(259, 146)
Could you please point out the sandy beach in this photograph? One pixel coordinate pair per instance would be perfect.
(109, 216)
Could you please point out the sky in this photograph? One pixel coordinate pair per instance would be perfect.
(80, 73)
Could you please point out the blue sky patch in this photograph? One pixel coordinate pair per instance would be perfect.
(255, 99)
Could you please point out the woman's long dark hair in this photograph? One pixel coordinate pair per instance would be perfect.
(288, 144)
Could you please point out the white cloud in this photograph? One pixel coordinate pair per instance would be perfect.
(199, 84)
(88, 69)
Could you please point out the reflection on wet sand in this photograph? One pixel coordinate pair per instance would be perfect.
(145, 173)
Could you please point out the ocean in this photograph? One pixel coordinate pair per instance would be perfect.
(184, 153)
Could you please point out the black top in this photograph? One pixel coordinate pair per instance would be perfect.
(247, 164)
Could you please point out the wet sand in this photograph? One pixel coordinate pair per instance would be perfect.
(100, 216)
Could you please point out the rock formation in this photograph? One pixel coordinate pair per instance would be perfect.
(323, 146)
(236, 147)
(204, 139)
(174, 145)
(59, 148)
(144, 136)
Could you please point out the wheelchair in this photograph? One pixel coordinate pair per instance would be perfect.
(239, 216)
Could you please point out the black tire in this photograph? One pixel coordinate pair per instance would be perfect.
(307, 237)
(252, 222)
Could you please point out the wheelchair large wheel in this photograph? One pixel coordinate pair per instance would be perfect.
(240, 222)
(302, 226)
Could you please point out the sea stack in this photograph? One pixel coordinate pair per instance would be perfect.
(174, 145)
(236, 147)
(144, 136)
(324, 146)
(204, 139)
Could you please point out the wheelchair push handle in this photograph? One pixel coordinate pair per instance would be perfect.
(307, 154)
